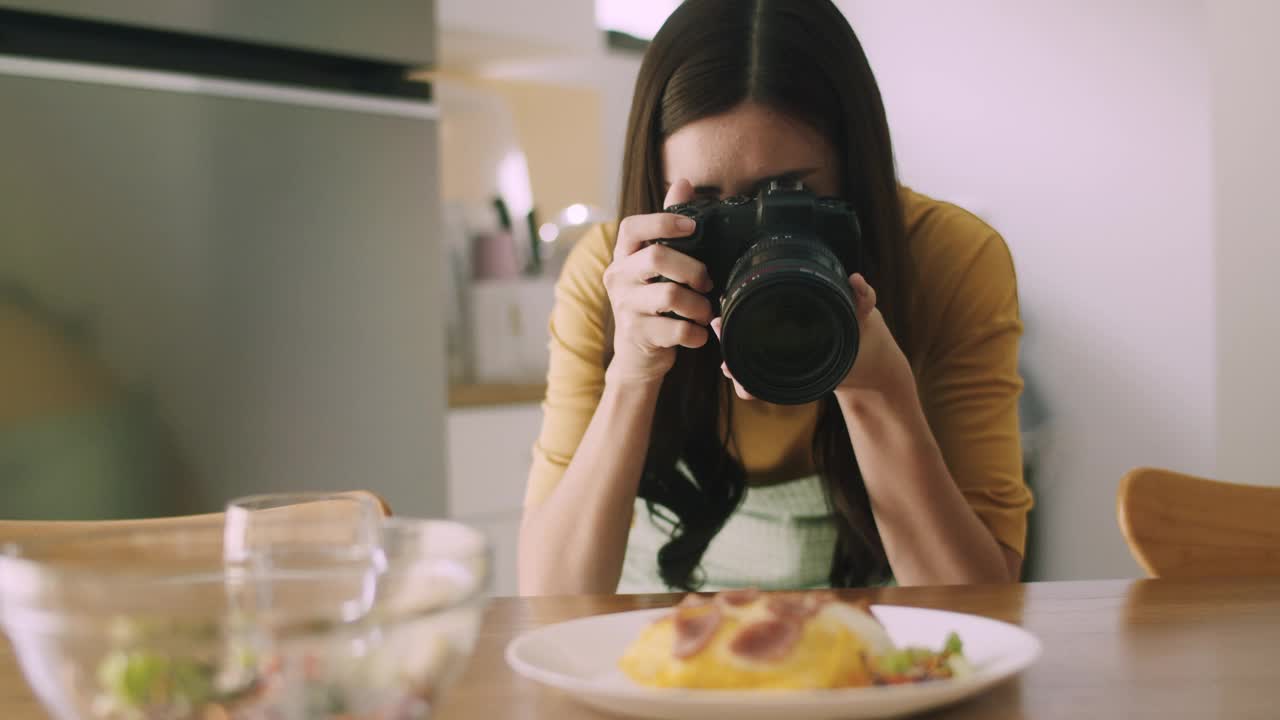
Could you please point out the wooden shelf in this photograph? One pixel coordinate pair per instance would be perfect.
(491, 394)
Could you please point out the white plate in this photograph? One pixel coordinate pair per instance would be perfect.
(580, 657)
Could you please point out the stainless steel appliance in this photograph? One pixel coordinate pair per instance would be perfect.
(219, 262)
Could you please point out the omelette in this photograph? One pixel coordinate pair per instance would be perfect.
(742, 639)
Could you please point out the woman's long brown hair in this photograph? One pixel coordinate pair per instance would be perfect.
(802, 58)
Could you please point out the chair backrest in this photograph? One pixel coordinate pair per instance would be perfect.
(1185, 526)
(22, 530)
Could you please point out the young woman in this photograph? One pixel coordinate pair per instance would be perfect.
(654, 470)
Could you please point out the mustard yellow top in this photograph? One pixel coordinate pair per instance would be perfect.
(965, 330)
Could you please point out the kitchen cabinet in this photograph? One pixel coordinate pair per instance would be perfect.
(490, 451)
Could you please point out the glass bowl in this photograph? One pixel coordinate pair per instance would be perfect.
(153, 623)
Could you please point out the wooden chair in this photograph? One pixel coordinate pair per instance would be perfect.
(1183, 526)
(24, 530)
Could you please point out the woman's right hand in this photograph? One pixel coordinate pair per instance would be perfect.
(644, 340)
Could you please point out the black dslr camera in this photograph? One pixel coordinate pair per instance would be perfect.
(780, 262)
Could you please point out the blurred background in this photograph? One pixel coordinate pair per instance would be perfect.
(251, 247)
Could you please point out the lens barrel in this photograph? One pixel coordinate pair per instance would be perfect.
(789, 333)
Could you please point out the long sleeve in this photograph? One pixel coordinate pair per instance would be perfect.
(575, 379)
(967, 328)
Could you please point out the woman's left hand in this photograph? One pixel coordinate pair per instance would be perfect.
(880, 364)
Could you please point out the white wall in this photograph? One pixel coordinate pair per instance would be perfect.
(1080, 130)
(1246, 97)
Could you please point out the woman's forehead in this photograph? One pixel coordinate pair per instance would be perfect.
(744, 146)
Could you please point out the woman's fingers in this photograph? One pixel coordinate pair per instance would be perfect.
(638, 231)
(681, 191)
(643, 338)
(864, 296)
(716, 325)
(663, 332)
(660, 298)
(627, 274)
(737, 386)
(661, 261)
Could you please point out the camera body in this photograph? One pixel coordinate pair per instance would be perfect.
(780, 263)
(727, 228)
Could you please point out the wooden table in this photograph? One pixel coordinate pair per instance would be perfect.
(1113, 649)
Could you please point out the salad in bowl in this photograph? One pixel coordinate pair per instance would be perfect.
(154, 624)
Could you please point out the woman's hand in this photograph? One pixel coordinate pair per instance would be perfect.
(644, 340)
(880, 364)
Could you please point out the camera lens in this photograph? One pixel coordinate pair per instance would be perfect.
(790, 334)
(798, 331)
